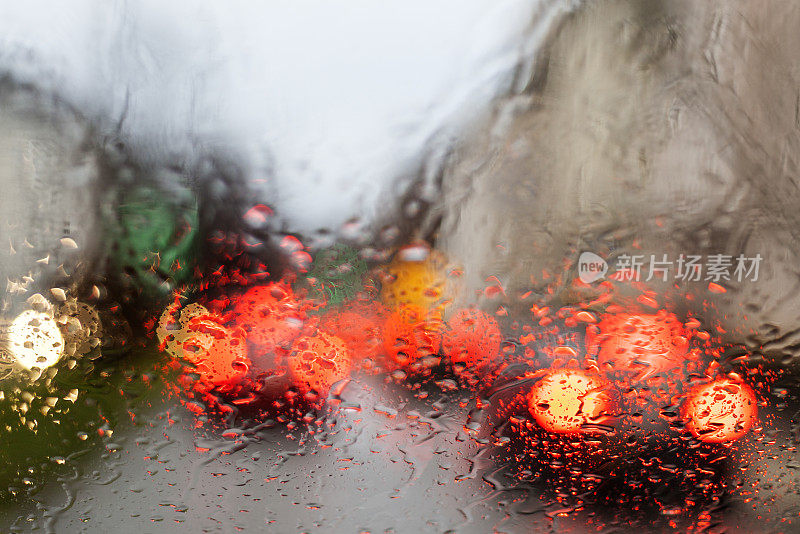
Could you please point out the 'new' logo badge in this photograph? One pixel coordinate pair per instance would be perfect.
(591, 267)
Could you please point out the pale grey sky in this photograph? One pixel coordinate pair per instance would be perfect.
(338, 98)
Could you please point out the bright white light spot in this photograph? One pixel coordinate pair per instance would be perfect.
(35, 340)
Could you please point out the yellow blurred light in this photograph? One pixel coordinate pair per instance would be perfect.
(418, 279)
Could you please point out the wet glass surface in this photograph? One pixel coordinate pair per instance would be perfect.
(520, 266)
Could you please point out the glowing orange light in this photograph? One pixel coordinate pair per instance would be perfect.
(639, 345)
(721, 411)
(225, 361)
(271, 316)
(318, 361)
(219, 354)
(566, 400)
(411, 335)
(360, 326)
(472, 339)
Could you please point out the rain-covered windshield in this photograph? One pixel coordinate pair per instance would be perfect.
(510, 266)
